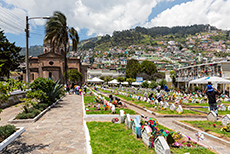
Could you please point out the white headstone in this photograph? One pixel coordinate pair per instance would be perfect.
(226, 120)
(166, 105)
(113, 109)
(146, 133)
(179, 109)
(172, 107)
(122, 116)
(127, 121)
(156, 102)
(222, 107)
(229, 108)
(185, 101)
(194, 101)
(161, 146)
(202, 101)
(211, 116)
(161, 104)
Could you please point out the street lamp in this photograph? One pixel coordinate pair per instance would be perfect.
(27, 43)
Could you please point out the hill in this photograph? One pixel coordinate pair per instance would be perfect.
(33, 50)
(141, 35)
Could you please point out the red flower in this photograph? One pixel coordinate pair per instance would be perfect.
(214, 125)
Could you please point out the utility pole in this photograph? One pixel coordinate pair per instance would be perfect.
(27, 49)
(27, 45)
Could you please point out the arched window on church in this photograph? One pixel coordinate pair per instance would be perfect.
(50, 75)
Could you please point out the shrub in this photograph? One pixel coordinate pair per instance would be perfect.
(6, 131)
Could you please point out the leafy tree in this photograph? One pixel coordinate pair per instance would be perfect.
(120, 79)
(74, 75)
(153, 84)
(9, 56)
(107, 79)
(132, 68)
(102, 77)
(58, 33)
(145, 84)
(162, 83)
(148, 67)
(173, 77)
(130, 80)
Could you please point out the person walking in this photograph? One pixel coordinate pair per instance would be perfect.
(211, 93)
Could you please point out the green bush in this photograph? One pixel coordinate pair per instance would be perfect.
(6, 131)
(41, 106)
(33, 112)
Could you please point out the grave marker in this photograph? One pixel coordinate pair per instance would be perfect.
(226, 120)
(127, 121)
(136, 128)
(113, 109)
(211, 116)
(172, 107)
(161, 104)
(122, 116)
(179, 109)
(229, 108)
(161, 146)
(166, 105)
(146, 133)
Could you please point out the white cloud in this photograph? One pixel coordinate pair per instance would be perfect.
(105, 16)
(213, 12)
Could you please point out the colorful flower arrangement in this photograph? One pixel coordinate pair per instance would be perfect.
(115, 120)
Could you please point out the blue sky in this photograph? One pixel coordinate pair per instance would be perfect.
(95, 18)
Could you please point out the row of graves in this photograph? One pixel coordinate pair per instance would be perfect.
(155, 136)
(160, 107)
(100, 103)
(177, 99)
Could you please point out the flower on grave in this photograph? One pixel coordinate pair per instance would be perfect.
(115, 120)
(188, 145)
(214, 125)
(166, 131)
(199, 136)
(87, 109)
(131, 119)
(194, 142)
(188, 137)
(177, 144)
(177, 136)
(179, 112)
(223, 129)
(159, 107)
(183, 142)
(162, 108)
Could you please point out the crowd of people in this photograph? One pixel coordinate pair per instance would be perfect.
(75, 88)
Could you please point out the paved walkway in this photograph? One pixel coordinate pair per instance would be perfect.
(59, 131)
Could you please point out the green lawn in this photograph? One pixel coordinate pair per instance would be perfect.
(207, 126)
(105, 91)
(185, 112)
(110, 138)
(219, 112)
(196, 104)
(90, 99)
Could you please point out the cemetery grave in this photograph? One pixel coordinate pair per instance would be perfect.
(96, 105)
(220, 112)
(215, 128)
(145, 133)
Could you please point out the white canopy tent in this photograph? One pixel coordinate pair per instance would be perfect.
(125, 83)
(136, 83)
(96, 80)
(113, 82)
(214, 80)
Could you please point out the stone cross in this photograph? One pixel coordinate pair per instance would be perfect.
(212, 116)
(161, 146)
(226, 120)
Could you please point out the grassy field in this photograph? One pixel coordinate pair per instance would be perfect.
(110, 138)
(105, 91)
(207, 126)
(92, 110)
(185, 112)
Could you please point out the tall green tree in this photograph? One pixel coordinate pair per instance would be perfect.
(133, 67)
(148, 67)
(9, 56)
(73, 75)
(58, 33)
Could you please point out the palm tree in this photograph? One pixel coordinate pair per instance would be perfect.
(58, 33)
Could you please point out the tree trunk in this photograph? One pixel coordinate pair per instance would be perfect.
(66, 67)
